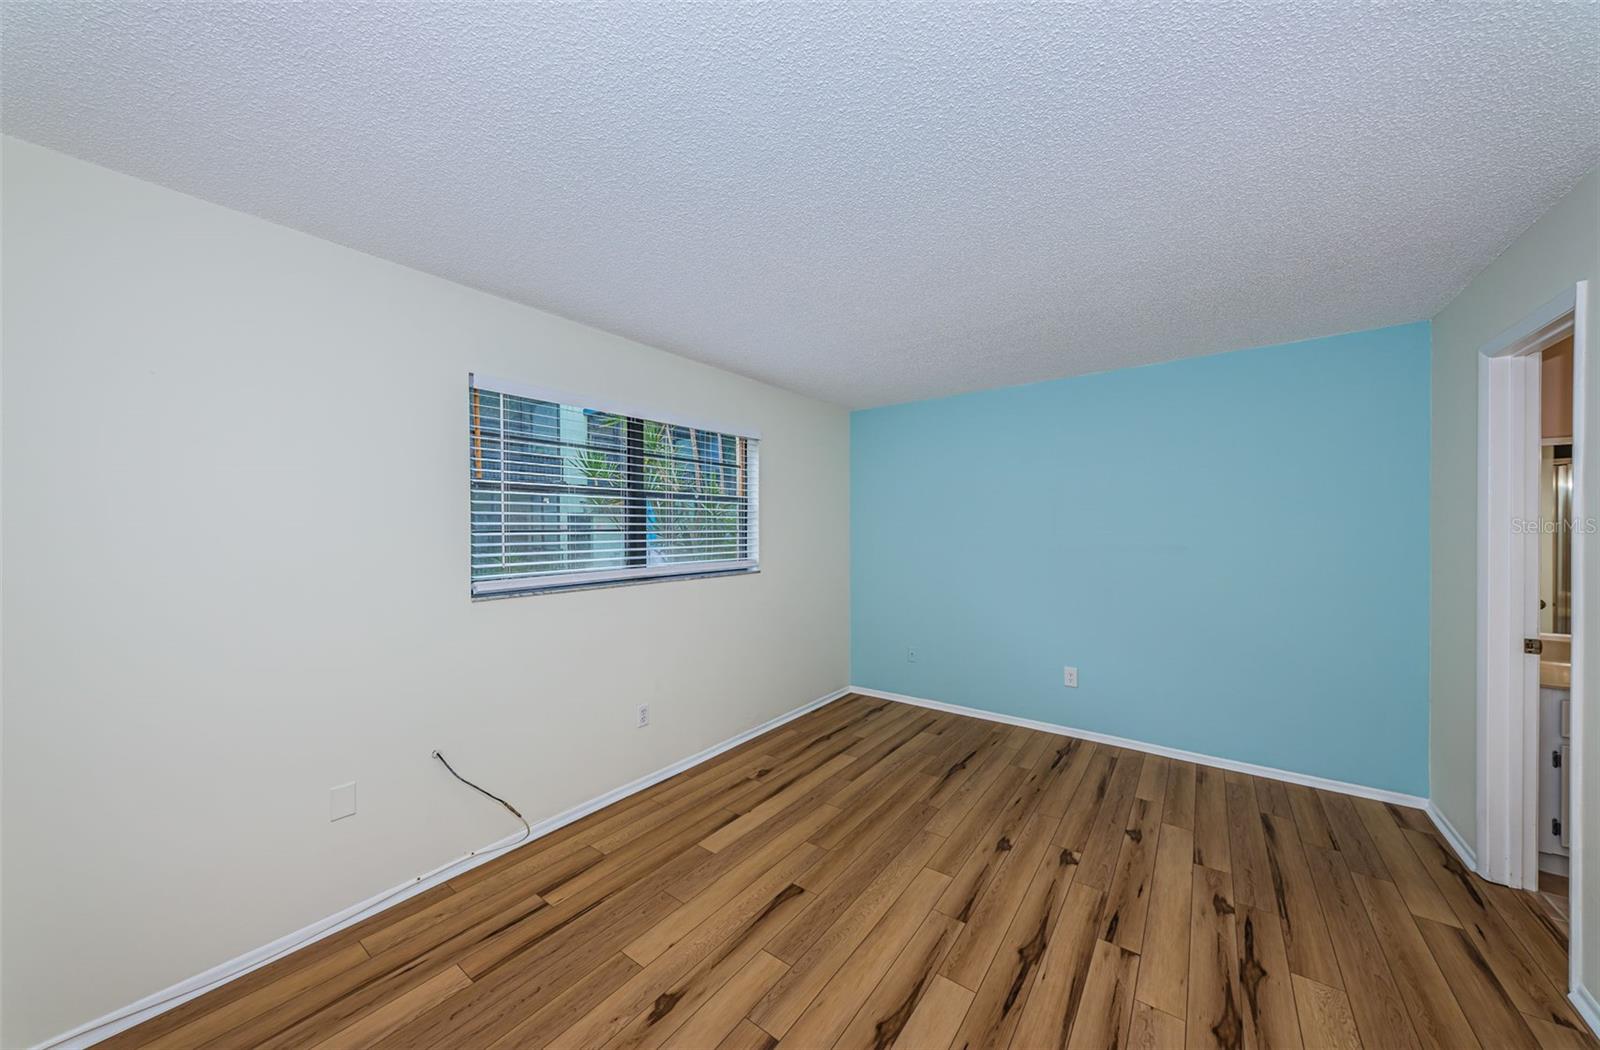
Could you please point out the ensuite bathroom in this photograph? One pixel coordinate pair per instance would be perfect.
(1555, 624)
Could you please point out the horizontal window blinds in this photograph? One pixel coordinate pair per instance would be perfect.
(564, 496)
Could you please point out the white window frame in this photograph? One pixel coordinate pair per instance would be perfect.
(586, 579)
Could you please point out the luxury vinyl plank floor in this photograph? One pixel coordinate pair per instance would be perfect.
(876, 875)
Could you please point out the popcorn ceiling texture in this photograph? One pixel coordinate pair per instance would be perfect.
(865, 202)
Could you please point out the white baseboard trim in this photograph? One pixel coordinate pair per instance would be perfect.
(1321, 783)
(1464, 852)
(159, 1002)
(1584, 1002)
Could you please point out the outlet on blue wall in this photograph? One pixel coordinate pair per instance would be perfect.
(1232, 550)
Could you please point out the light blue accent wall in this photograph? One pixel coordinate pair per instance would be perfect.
(1233, 551)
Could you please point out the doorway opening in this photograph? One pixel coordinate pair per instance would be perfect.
(1531, 532)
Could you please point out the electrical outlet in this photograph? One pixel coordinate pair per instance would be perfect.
(644, 715)
(1069, 677)
(911, 654)
(342, 801)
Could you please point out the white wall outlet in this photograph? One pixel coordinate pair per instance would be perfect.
(644, 715)
(1069, 677)
(342, 801)
(911, 654)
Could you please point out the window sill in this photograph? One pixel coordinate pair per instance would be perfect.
(597, 585)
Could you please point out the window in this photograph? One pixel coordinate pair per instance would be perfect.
(566, 496)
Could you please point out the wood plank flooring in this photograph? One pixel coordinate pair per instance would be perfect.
(875, 875)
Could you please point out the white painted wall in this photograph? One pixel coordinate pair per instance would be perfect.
(235, 575)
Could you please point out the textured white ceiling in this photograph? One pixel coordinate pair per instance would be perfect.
(867, 202)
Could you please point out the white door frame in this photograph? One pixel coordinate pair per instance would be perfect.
(1508, 597)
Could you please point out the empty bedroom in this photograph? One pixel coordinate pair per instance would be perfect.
(805, 525)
